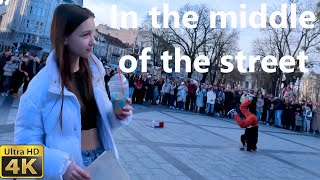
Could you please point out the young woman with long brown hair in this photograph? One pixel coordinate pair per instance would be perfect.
(66, 107)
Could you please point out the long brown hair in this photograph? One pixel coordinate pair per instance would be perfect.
(66, 18)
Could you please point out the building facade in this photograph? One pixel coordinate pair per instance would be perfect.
(127, 36)
(110, 49)
(310, 87)
(26, 25)
(3, 8)
(101, 47)
(116, 50)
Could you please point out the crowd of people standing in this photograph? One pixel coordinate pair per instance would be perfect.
(285, 111)
(17, 69)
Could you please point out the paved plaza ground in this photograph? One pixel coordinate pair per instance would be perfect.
(194, 146)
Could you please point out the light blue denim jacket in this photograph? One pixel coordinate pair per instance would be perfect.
(39, 109)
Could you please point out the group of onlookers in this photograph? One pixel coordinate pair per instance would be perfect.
(17, 69)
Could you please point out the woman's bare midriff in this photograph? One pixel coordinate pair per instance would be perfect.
(89, 139)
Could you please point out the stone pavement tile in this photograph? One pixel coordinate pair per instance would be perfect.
(239, 178)
(265, 141)
(12, 116)
(238, 164)
(122, 134)
(146, 177)
(155, 115)
(171, 169)
(1, 100)
(141, 161)
(306, 162)
(149, 163)
(15, 103)
(151, 177)
(202, 120)
(6, 138)
(305, 140)
(177, 133)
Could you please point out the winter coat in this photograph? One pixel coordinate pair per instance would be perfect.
(37, 120)
(10, 68)
(260, 103)
(211, 97)
(182, 93)
(200, 94)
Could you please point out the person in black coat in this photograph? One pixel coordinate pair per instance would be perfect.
(288, 114)
(33, 66)
(4, 58)
(278, 107)
(229, 101)
(266, 107)
(297, 109)
(253, 106)
(107, 78)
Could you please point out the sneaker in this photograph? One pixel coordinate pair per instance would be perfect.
(232, 112)
(250, 96)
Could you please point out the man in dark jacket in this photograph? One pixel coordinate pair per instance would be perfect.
(278, 107)
(229, 102)
(6, 56)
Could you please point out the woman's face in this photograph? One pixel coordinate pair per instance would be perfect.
(81, 41)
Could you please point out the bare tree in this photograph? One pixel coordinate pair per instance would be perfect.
(156, 38)
(192, 40)
(223, 41)
(289, 41)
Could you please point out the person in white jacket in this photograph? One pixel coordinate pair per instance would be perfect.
(211, 98)
(182, 95)
(66, 107)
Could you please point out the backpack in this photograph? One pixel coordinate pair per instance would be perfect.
(309, 114)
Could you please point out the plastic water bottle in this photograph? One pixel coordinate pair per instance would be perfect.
(153, 124)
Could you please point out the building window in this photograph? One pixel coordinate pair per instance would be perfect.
(38, 25)
(30, 12)
(37, 40)
(28, 38)
(27, 23)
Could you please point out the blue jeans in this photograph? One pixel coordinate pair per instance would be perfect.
(90, 155)
(278, 114)
(210, 108)
(155, 96)
(131, 89)
(258, 114)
